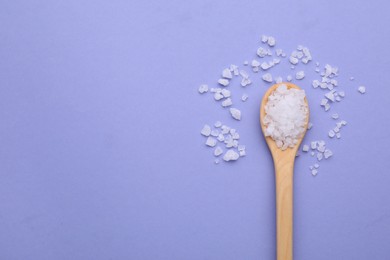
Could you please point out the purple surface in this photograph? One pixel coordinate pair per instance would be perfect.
(100, 152)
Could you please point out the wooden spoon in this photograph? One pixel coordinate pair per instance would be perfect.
(284, 169)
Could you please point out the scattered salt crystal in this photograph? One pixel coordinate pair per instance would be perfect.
(312, 153)
(336, 129)
(293, 60)
(314, 172)
(216, 161)
(236, 114)
(267, 77)
(319, 156)
(235, 136)
(255, 63)
(305, 148)
(313, 145)
(211, 141)
(279, 52)
(215, 133)
(331, 134)
(317, 70)
(315, 83)
(343, 122)
(327, 153)
(206, 130)
(278, 79)
(225, 129)
(338, 135)
(317, 64)
(341, 93)
(217, 124)
(234, 69)
(203, 88)
(309, 125)
(265, 66)
(227, 74)
(316, 165)
(245, 82)
(289, 78)
(241, 147)
(231, 155)
(244, 74)
(244, 97)
(362, 89)
(338, 98)
(335, 116)
(324, 101)
(271, 41)
(225, 93)
(227, 102)
(223, 82)
(330, 95)
(242, 153)
(327, 107)
(221, 138)
(300, 74)
(218, 151)
(246, 63)
(261, 52)
(264, 38)
(218, 96)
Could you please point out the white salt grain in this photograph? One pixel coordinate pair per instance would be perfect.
(231, 155)
(338, 135)
(216, 161)
(246, 63)
(335, 116)
(319, 156)
(206, 130)
(313, 145)
(223, 82)
(244, 97)
(227, 74)
(289, 78)
(267, 77)
(316, 165)
(227, 102)
(217, 124)
(215, 133)
(242, 153)
(300, 75)
(236, 114)
(211, 141)
(327, 153)
(218, 151)
(203, 88)
(221, 138)
(331, 134)
(261, 52)
(309, 125)
(264, 38)
(314, 172)
(226, 93)
(305, 148)
(271, 41)
(218, 96)
(362, 89)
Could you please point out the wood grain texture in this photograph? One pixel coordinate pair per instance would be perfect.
(284, 171)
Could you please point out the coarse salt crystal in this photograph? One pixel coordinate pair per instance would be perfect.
(227, 74)
(206, 130)
(309, 125)
(236, 114)
(223, 82)
(331, 134)
(313, 145)
(319, 156)
(227, 102)
(267, 77)
(214, 133)
(271, 41)
(231, 155)
(335, 116)
(314, 172)
(289, 78)
(300, 75)
(226, 93)
(218, 96)
(218, 151)
(327, 154)
(244, 97)
(305, 148)
(362, 89)
(211, 141)
(203, 88)
(218, 124)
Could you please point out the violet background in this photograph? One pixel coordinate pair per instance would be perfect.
(100, 151)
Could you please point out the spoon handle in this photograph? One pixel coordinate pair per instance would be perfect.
(284, 209)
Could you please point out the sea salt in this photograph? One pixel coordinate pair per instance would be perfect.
(300, 75)
(223, 82)
(362, 89)
(227, 102)
(218, 151)
(305, 148)
(203, 88)
(230, 155)
(267, 77)
(211, 141)
(285, 116)
(218, 124)
(227, 74)
(335, 116)
(244, 97)
(225, 93)
(236, 114)
(206, 130)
